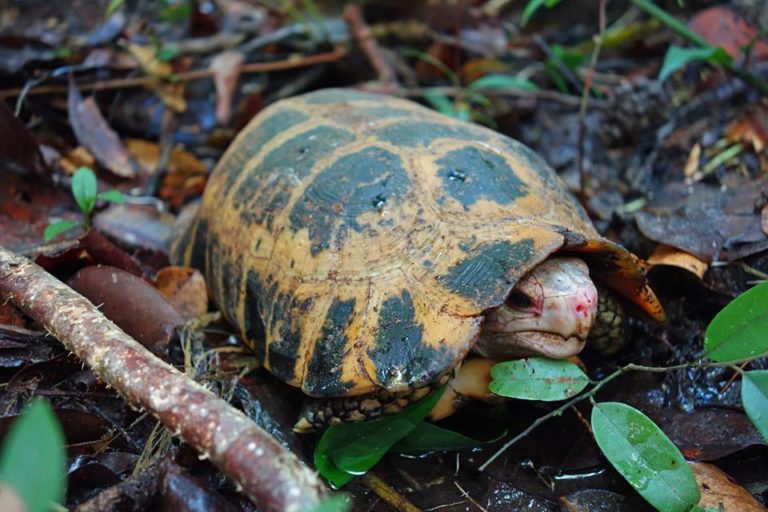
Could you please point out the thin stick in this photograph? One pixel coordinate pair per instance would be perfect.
(196, 74)
(269, 474)
(384, 491)
(368, 44)
(585, 97)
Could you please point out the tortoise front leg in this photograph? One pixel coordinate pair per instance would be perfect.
(470, 382)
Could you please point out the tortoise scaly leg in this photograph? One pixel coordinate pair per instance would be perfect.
(470, 382)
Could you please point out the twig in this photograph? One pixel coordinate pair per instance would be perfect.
(269, 474)
(196, 74)
(384, 491)
(367, 42)
(631, 367)
(585, 95)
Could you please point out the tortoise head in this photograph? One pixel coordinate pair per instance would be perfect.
(549, 313)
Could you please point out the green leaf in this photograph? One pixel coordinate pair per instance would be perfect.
(33, 457)
(416, 54)
(349, 449)
(112, 196)
(677, 57)
(84, 189)
(754, 397)
(495, 81)
(739, 330)
(113, 6)
(57, 228)
(533, 6)
(335, 503)
(537, 378)
(645, 457)
(427, 437)
(439, 102)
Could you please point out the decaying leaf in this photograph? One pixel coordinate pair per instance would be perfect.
(692, 164)
(184, 287)
(93, 132)
(717, 489)
(668, 255)
(722, 27)
(750, 129)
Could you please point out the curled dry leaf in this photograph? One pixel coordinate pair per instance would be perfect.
(764, 219)
(717, 488)
(692, 164)
(226, 68)
(721, 26)
(750, 129)
(668, 255)
(185, 288)
(93, 132)
(171, 94)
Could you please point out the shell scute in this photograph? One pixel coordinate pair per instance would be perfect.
(471, 173)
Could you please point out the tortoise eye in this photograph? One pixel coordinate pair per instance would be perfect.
(519, 300)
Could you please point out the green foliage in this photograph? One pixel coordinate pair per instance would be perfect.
(427, 437)
(496, 81)
(85, 191)
(677, 57)
(335, 503)
(33, 460)
(349, 449)
(113, 6)
(645, 457)
(754, 398)
(538, 378)
(534, 5)
(740, 330)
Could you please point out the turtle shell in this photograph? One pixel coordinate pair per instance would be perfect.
(356, 239)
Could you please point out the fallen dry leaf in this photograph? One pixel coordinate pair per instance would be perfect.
(18, 148)
(720, 26)
(184, 287)
(146, 56)
(764, 219)
(717, 489)
(226, 68)
(750, 130)
(93, 132)
(668, 255)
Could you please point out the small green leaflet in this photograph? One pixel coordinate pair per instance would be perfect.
(754, 398)
(645, 457)
(537, 378)
(439, 102)
(496, 81)
(335, 503)
(57, 228)
(33, 457)
(112, 196)
(739, 330)
(534, 5)
(349, 449)
(677, 57)
(84, 189)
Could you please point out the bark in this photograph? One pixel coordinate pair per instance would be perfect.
(269, 474)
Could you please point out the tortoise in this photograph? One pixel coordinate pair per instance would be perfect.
(365, 246)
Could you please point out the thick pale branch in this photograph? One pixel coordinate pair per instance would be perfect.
(269, 474)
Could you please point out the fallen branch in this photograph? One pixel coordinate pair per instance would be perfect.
(269, 474)
(368, 44)
(186, 76)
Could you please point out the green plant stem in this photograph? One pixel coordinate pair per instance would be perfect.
(599, 385)
(689, 35)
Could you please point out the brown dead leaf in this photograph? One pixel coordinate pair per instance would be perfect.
(185, 176)
(93, 132)
(720, 26)
(750, 130)
(184, 287)
(75, 159)
(479, 67)
(226, 68)
(146, 57)
(668, 255)
(717, 488)
(171, 93)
